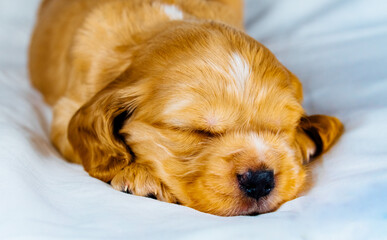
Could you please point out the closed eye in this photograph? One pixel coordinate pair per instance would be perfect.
(188, 129)
(204, 132)
(198, 131)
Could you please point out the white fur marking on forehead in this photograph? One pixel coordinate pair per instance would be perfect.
(260, 145)
(239, 70)
(212, 121)
(173, 12)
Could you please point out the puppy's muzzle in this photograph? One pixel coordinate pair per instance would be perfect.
(256, 184)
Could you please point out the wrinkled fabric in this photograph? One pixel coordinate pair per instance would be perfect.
(338, 49)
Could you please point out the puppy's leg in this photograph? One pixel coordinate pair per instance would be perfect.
(139, 180)
(63, 110)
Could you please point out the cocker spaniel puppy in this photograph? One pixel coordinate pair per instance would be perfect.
(171, 99)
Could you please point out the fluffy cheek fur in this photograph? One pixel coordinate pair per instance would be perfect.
(201, 171)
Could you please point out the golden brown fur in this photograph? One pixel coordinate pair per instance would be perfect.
(171, 98)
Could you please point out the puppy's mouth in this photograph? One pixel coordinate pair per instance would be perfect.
(253, 207)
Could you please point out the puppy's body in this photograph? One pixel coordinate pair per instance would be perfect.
(79, 46)
(169, 98)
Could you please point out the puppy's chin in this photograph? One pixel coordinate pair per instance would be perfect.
(255, 207)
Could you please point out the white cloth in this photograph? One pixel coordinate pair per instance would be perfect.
(339, 51)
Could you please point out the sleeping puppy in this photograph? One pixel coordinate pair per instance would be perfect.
(171, 99)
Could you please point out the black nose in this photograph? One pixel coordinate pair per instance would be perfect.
(256, 184)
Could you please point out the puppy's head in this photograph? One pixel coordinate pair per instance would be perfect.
(215, 116)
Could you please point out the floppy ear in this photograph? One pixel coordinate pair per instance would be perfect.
(93, 131)
(316, 134)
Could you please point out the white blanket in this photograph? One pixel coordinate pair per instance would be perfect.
(338, 48)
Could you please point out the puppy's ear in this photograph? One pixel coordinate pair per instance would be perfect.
(316, 134)
(93, 131)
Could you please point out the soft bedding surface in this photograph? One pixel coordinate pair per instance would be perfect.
(338, 48)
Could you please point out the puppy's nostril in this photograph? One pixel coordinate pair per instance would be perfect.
(256, 184)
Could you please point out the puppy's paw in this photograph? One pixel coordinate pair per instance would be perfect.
(138, 180)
